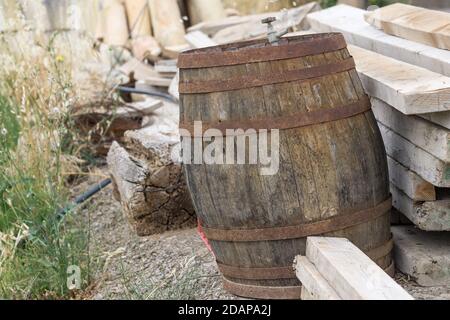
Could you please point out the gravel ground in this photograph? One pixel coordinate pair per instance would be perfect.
(174, 265)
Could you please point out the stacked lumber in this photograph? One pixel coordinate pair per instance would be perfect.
(351, 23)
(335, 269)
(409, 85)
(417, 24)
(148, 177)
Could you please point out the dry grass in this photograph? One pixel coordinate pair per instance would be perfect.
(37, 150)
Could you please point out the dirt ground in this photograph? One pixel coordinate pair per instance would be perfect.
(174, 265)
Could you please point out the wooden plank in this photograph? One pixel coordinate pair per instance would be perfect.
(410, 183)
(198, 39)
(416, 159)
(212, 27)
(426, 26)
(144, 72)
(166, 66)
(350, 21)
(409, 89)
(428, 136)
(440, 118)
(352, 274)
(425, 256)
(428, 216)
(312, 281)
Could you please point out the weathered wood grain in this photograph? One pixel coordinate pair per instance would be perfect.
(428, 216)
(323, 168)
(416, 159)
(410, 183)
(150, 183)
(422, 133)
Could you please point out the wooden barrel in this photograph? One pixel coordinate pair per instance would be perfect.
(332, 178)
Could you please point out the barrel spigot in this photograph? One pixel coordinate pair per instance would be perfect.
(272, 35)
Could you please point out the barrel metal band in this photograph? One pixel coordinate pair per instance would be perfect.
(296, 120)
(252, 81)
(273, 273)
(262, 292)
(215, 57)
(335, 223)
(265, 292)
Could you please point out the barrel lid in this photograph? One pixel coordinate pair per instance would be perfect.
(261, 50)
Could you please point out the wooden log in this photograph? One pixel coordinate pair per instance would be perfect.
(115, 26)
(167, 23)
(351, 273)
(430, 137)
(428, 216)
(138, 18)
(410, 183)
(315, 285)
(417, 24)
(149, 181)
(408, 88)
(424, 164)
(425, 256)
(205, 10)
(350, 22)
(198, 39)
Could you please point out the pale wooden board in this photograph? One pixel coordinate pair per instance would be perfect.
(422, 133)
(350, 272)
(416, 159)
(440, 118)
(350, 21)
(312, 281)
(198, 39)
(426, 26)
(408, 88)
(428, 216)
(425, 256)
(166, 66)
(410, 183)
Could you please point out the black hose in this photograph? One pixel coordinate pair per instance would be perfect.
(148, 93)
(82, 198)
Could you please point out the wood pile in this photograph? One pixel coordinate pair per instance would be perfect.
(409, 83)
(335, 269)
